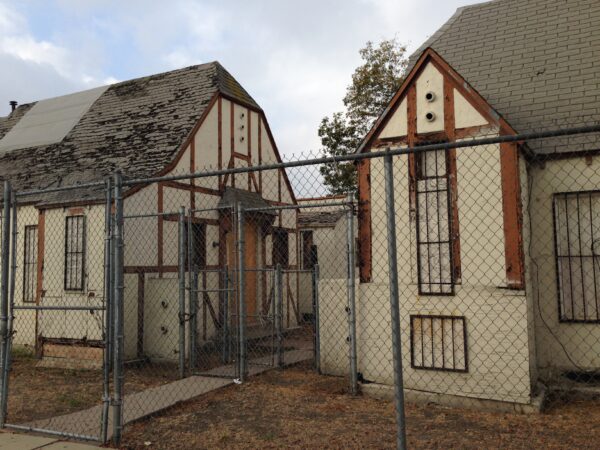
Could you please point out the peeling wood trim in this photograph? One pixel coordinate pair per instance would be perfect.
(513, 216)
(220, 136)
(449, 128)
(364, 220)
(259, 153)
(232, 140)
(192, 170)
(249, 137)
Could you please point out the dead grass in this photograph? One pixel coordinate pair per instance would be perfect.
(38, 393)
(299, 409)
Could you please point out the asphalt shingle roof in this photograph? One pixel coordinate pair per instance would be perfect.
(135, 126)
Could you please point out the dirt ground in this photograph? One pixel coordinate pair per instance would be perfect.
(39, 392)
(296, 408)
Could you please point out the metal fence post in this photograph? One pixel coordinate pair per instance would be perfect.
(193, 292)
(181, 272)
(351, 296)
(278, 313)
(107, 313)
(394, 302)
(241, 297)
(225, 315)
(316, 324)
(4, 298)
(118, 312)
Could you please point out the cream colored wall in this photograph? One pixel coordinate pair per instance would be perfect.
(24, 321)
(560, 346)
(397, 125)
(499, 338)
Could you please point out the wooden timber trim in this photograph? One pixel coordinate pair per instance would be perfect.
(193, 169)
(449, 128)
(190, 187)
(513, 215)
(140, 314)
(249, 147)
(411, 111)
(220, 137)
(232, 140)
(160, 225)
(364, 220)
(259, 153)
(75, 212)
(39, 291)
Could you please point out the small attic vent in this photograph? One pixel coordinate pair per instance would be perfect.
(430, 116)
(430, 96)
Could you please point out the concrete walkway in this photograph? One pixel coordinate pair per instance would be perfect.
(150, 401)
(14, 441)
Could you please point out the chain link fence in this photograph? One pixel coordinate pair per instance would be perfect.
(465, 274)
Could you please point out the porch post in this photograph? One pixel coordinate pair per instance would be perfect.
(394, 303)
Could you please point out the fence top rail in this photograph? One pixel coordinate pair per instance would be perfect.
(216, 208)
(310, 205)
(157, 214)
(392, 151)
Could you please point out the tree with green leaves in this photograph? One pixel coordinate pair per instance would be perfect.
(374, 83)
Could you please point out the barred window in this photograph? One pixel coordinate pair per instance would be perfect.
(577, 249)
(30, 249)
(433, 223)
(438, 343)
(74, 253)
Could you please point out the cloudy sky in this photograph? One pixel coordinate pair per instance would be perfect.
(294, 57)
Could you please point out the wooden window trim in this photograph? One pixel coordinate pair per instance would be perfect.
(69, 285)
(30, 262)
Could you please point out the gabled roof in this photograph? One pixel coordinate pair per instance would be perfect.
(232, 196)
(320, 219)
(136, 126)
(536, 62)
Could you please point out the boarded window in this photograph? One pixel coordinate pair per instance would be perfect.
(433, 214)
(74, 253)
(197, 245)
(438, 343)
(30, 250)
(577, 248)
(281, 253)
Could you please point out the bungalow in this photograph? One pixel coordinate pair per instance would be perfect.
(187, 120)
(497, 254)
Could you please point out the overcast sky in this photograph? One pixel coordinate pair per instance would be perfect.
(295, 58)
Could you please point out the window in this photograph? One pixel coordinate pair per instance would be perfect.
(74, 253)
(577, 249)
(198, 245)
(433, 223)
(438, 343)
(280, 248)
(309, 251)
(30, 264)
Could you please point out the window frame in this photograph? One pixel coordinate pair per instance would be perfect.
(433, 317)
(30, 262)
(560, 301)
(419, 175)
(68, 284)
